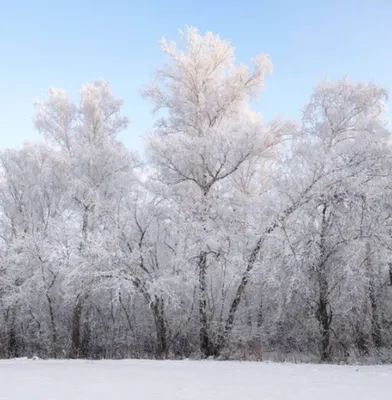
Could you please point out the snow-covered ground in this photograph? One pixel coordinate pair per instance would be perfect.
(190, 380)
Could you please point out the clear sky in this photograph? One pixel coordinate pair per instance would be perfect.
(65, 43)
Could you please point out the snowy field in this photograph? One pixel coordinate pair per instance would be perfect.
(190, 380)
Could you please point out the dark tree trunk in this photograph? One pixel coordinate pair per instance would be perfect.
(76, 334)
(207, 348)
(127, 316)
(375, 321)
(224, 337)
(85, 342)
(324, 316)
(157, 307)
(160, 326)
(375, 316)
(12, 344)
(323, 311)
(260, 314)
(12, 341)
(52, 326)
(249, 320)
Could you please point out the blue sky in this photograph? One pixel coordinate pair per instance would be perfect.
(47, 43)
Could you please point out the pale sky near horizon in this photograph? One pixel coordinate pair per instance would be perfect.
(64, 44)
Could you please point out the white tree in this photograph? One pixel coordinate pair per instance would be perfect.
(92, 165)
(344, 142)
(32, 206)
(206, 140)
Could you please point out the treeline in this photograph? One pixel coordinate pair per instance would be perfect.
(232, 238)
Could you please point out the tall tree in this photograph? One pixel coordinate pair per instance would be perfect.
(207, 135)
(92, 165)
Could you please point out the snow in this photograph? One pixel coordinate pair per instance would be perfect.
(190, 380)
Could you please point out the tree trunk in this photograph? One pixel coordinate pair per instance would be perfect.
(207, 348)
(85, 342)
(260, 313)
(12, 344)
(76, 339)
(323, 312)
(160, 326)
(158, 312)
(127, 316)
(223, 338)
(324, 316)
(52, 326)
(375, 316)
